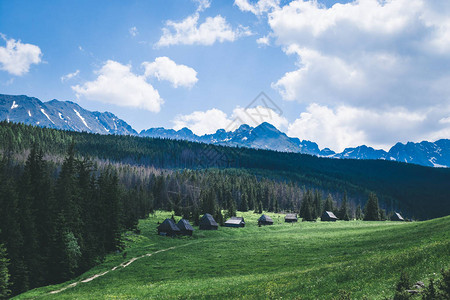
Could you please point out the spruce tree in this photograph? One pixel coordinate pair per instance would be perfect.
(371, 210)
(317, 204)
(4, 275)
(328, 204)
(244, 202)
(343, 212)
(358, 213)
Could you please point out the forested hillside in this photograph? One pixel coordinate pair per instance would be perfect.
(67, 197)
(419, 192)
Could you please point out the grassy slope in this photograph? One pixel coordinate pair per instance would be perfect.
(303, 260)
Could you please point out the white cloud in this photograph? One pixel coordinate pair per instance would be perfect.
(202, 122)
(365, 53)
(117, 84)
(16, 58)
(133, 31)
(345, 126)
(263, 41)
(257, 8)
(207, 122)
(202, 4)
(189, 32)
(164, 68)
(348, 126)
(70, 76)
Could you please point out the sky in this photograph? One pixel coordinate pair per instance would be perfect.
(339, 73)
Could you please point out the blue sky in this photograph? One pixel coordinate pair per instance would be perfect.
(357, 72)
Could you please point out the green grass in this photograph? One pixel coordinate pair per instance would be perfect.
(291, 261)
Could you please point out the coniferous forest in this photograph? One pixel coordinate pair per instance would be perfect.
(67, 197)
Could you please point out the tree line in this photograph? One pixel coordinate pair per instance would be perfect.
(417, 190)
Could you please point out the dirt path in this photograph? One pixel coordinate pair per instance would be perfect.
(122, 265)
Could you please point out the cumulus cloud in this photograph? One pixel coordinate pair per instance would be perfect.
(202, 122)
(264, 41)
(207, 122)
(16, 58)
(365, 53)
(257, 8)
(190, 32)
(70, 76)
(348, 126)
(117, 84)
(164, 68)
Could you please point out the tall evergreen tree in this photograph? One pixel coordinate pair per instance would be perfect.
(372, 210)
(244, 202)
(328, 204)
(317, 204)
(4, 274)
(344, 211)
(358, 212)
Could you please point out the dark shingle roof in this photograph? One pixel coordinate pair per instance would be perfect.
(265, 218)
(207, 218)
(184, 224)
(168, 225)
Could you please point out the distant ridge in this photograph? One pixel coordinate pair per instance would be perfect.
(266, 136)
(67, 115)
(64, 115)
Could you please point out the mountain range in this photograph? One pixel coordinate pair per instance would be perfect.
(68, 115)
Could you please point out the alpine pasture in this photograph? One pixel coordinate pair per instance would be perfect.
(304, 260)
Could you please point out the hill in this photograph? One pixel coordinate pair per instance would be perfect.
(293, 261)
(67, 115)
(418, 191)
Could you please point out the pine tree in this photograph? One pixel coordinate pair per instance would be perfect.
(317, 205)
(430, 292)
(444, 284)
(307, 207)
(4, 275)
(244, 202)
(358, 213)
(260, 207)
(371, 210)
(343, 212)
(328, 204)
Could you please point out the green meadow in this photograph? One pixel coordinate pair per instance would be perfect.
(304, 260)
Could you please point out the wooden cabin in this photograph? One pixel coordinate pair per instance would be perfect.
(207, 222)
(235, 222)
(289, 218)
(169, 228)
(265, 220)
(328, 216)
(185, 227)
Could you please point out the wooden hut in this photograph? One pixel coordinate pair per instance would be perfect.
(397, 217)
(235, 222)
(289, 218)
(328, 216)
(265, 220)
(185, 227)
(207, 222)
(169, 228)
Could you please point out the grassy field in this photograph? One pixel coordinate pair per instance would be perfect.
(291, 261)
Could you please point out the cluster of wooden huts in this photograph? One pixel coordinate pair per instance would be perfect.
(207, 222)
